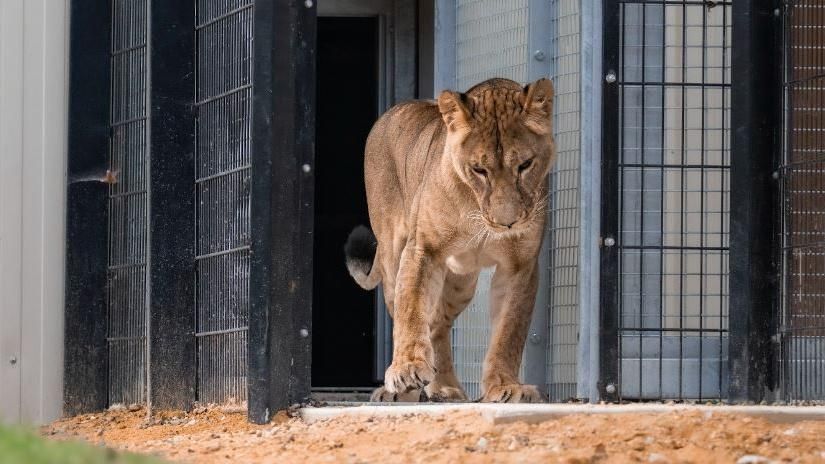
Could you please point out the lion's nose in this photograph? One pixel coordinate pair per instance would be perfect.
(506, 217)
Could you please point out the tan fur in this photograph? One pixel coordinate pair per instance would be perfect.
(438, 223)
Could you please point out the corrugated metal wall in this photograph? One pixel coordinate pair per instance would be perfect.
(33, 108)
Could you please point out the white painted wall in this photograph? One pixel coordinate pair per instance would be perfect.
(33, 109)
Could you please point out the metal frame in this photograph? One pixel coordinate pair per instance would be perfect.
(534, 365)
(608, 381)
(280, 314)
(589, 196)
(754, 101)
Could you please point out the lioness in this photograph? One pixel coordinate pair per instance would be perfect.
(454, 186)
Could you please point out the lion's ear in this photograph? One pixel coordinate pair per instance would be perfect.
(538, 106)
(454, 113)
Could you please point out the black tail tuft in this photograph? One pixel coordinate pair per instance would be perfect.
(360, 248)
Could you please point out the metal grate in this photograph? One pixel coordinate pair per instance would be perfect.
(491, 41)
(802, 318)
(224, 132)
(674, 144)
(564, 219)
(128, 214)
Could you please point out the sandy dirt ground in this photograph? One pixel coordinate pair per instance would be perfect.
(216, 436)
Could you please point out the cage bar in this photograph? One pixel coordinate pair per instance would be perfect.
(671, 75)
(224, 135)
(802, 202)
(128, 205)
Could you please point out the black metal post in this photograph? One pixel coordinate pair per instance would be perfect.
(172, 357)
(608, 383)
(755, 123)
(86, 357)
(282, 206)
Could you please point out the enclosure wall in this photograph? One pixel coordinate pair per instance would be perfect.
(666, 201)
(802, 202)
(33, 108)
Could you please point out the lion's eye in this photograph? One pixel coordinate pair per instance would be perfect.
(479, 170)
(523, 166)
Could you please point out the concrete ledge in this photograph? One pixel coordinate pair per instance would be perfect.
(503, 413)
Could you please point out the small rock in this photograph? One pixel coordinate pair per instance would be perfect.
(192, 422)
(117, 407)
(753, 459)
(212, 448)
(481, 444)
(658, 458)
(134, 407)
(637, 444)
(199, 410)
(100, 432)
(214, 436)
(258, 433)
(789, 432)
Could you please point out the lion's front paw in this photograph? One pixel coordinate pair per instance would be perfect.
(381, 395)
(514, 393)
(407, 375)
(444, 394)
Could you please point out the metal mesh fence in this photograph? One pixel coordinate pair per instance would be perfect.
(224, 125)
(491, 41)
(128, 214)
(674, 139)
(802, 318)
(564, 219)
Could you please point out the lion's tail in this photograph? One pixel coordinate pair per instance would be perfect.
(362, 257)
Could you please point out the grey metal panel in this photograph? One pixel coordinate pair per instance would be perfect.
(539, 65)
(444, 67)
(674, 367)
(33, 109)
(590, 193)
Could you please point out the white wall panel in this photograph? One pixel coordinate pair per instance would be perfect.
(33, 100)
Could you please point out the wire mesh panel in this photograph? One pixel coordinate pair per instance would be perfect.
(563, 311)
(224, 124)
(128, 214)
(491, 41)
(673, 76)
(802, 319)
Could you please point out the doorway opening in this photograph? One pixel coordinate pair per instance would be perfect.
(343, 317)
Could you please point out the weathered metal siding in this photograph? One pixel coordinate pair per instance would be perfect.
(33, 72)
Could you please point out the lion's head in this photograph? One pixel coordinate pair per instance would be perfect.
(499, 138)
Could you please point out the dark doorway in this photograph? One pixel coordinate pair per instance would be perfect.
(343, 315)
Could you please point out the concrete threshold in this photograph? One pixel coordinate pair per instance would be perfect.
(533, 413)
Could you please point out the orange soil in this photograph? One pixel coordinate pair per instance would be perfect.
(213, 436)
